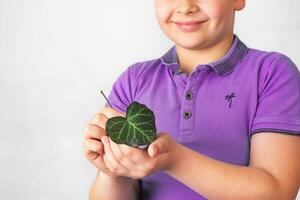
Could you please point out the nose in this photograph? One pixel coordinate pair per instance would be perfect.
(186, 7)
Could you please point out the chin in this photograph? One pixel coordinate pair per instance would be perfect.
(193, 45)
(191, 41)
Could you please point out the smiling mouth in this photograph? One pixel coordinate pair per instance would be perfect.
(189, 26)
(188, 22)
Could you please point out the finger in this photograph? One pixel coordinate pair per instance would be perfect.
(113, 165)
(99, 120)
(128, 164)
(90, 155)
(144, 164)
(111, 112)
(160, 145)
(152, 151)
(92, 150)
(100, 164)
(132, 167)
(93, 131)
(95, 158)
(94, 146)
(136, 155)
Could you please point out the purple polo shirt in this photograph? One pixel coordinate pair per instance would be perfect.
(215, 109)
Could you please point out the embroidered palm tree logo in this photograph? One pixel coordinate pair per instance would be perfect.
(229, 98)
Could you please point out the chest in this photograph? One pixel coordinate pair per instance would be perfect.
(209, 115)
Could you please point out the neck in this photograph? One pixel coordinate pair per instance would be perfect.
(189, 59)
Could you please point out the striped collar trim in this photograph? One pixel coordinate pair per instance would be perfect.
(222, 66)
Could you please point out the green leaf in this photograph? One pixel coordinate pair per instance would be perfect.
(138, 128)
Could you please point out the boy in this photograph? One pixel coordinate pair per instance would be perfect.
(227, 116)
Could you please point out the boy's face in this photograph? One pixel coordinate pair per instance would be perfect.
(216, 17)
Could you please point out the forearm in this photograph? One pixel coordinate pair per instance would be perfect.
(105, 187)
(219, 180)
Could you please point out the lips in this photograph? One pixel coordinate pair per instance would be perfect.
(189, 26)
(188, 23)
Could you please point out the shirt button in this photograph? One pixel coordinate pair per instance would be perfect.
(179, 72)
(187, 114)
(189, 95)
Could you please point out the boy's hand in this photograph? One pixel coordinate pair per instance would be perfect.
(93, 131)
(136, 163)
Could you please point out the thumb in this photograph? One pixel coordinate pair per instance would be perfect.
(159, 146)
(152, 150)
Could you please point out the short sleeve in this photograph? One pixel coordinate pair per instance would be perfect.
(122, 91)
(278, 108)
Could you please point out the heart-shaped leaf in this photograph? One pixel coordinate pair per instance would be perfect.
(138, 128)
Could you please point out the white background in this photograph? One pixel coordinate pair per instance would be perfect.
(56, 56)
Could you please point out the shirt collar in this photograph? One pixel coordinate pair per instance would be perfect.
(222, 66)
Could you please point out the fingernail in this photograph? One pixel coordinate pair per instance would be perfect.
(154, 150)
(103, 139)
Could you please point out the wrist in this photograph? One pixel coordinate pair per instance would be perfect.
(112, 178)
(176, 158)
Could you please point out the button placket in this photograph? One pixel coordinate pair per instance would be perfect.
(188, 98)
(187, 112)
(188, 104)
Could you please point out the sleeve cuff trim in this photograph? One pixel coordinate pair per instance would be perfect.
(283, 131)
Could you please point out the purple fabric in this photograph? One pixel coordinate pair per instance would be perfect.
(246, 92)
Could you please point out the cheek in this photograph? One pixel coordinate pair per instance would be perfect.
(162, 15)
(163, 11)
(215, 9)
(219, 13)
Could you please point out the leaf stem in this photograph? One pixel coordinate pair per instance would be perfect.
(105, 98)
